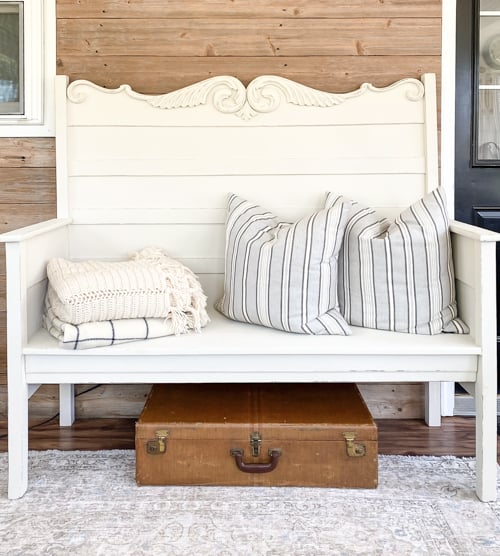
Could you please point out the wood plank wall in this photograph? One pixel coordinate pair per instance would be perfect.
(27, 195)
(160, 45)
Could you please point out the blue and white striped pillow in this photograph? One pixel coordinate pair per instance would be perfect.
(399, 276)
(283, 275)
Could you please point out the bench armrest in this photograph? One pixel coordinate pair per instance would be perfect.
(27, 252)
(473, 232)
(474, 258)
(28, 232)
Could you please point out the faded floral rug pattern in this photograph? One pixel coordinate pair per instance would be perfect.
(87, 503)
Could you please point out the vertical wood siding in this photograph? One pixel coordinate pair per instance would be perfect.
(157, 46)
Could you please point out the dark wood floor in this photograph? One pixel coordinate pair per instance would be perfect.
(396, 436)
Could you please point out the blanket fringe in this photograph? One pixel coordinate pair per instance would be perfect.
(187, 299)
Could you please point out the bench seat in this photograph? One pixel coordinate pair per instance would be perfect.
(235, 352)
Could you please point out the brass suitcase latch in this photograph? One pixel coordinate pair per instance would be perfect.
(159, 444)
(354, 449)
(255, 448)
(255, 443)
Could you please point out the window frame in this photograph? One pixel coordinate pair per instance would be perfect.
(476, 160)
(39, 49)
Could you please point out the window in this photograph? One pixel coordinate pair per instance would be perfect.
(11, 58)
(27, 67)
(487, 89)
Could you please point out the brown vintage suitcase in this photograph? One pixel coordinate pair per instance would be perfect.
(256, 434)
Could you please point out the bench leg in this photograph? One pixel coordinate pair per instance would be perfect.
(486, 435)
(18, 439)
(66, 405)
(433, 404)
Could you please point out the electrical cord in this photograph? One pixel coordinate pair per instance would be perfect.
(57, 414)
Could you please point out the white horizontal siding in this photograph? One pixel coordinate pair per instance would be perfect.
(234, 151)
(202, 199)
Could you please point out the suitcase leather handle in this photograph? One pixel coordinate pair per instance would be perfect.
(237, 453)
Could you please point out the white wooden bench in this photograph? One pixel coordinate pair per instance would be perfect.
(135, 170)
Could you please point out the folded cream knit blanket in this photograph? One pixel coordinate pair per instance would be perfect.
(150, 284)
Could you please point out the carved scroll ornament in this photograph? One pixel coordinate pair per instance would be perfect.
(228, 95)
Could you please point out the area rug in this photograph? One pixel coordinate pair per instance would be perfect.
(87, 503)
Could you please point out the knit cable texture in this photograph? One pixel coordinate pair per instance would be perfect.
(149, 284)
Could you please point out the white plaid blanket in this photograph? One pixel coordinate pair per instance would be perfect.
(105, 333)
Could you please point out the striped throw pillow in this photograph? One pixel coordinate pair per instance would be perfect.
(283, 275)
(399, 276)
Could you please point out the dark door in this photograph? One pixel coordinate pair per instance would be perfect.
(477, 118)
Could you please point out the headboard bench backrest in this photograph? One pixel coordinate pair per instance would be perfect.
(167, 162)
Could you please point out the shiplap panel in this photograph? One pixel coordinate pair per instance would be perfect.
(394, 401)
(161, 74)
(35, 298)
(225, 151)
(17, 216)
(205, 241)
(23, 152)
(3, 347)
(247, 8)
(42, 248)
(238, 165)
(3, 305)
(463, 269)
(188, 197)
(290, 213)
(465, 299)
(215, 37)
(90, 195)
(464, 253)
(385, 401)
(27, 185)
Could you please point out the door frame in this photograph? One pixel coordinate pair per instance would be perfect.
(447, 176)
